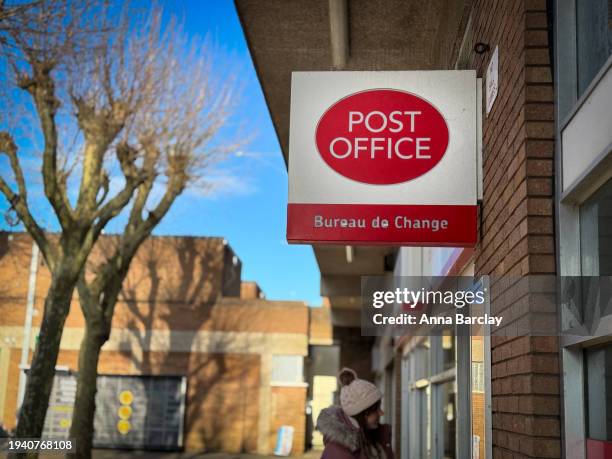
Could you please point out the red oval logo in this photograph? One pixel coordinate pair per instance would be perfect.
(382, 136)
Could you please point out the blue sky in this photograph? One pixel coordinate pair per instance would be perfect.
(248, 206)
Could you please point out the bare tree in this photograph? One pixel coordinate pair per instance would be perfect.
(172, 136)
(12, 15)
(144, 115)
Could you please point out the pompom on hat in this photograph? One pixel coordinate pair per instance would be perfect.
(356, 395)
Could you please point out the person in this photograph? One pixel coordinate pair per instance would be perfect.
(353, 429)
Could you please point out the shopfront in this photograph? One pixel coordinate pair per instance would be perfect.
(445, 378)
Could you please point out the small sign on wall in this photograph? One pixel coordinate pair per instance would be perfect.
(492, 79)
(284, 441)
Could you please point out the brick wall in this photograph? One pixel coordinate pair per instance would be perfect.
(517, 222)
(173, 283)
(168, 270)
(289, 405)
(250, 290)
(222, 402)
(321, 330)
(174, 286)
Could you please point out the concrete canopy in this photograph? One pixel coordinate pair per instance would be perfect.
(294, 35)
(307, 35)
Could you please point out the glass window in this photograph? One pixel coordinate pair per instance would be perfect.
(287, 369)
(388, 396)
(448, 350)
(432, 419)
(596, 233)
(594, 38)
(449, 394)
(599, 392)
(422, 362)
(424, 415)
(417, 444)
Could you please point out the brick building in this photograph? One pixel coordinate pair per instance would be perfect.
(183, 313)
(546, 146)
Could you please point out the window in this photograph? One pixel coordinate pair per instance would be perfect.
(287, 369)
(416, 402)
(432, 423)
(596, 233)
(583, 46)
(448, 349)
(599, 392)
(389, 397)
(449, 408)
(593, 38)
(439, 395)
(596, 255)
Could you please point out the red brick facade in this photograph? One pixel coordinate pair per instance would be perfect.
(289, 404)
(517, 234)
(174, 319)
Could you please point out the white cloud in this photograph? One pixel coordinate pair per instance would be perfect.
(224, 183)
(238, 175)
(272, 160)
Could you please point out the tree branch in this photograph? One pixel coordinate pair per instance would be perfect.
(19, 202)
(9, 148)
(86, 295)
(110, 277)
(21, 207)
(148, 171)
(127, 158)
(100, 128)
(42, 89)
(105, 188)
(176, 185)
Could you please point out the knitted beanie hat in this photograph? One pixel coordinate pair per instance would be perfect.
(356, 394)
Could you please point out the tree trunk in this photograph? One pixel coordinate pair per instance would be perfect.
(97, 306)
(42, 370)
(82, 428)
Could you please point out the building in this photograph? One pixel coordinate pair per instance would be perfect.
(228, 364)
(546, 169)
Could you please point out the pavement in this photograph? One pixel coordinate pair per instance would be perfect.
(125, 454)
(117, 454)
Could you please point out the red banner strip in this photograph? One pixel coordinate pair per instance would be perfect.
(379, 224)
(597, 449)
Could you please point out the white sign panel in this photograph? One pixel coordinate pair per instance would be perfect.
(492, 79)
(383, 158)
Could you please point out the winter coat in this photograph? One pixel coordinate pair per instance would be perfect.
(342, 438)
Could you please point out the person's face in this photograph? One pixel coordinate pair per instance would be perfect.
(373, 419)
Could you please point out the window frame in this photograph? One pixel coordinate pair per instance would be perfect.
(281, 383)
(425, 392)
(593, 171)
